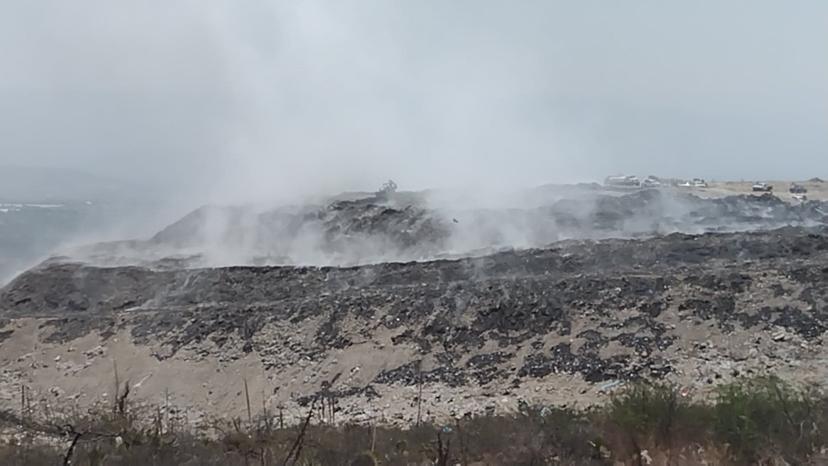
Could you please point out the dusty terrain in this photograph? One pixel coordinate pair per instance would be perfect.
(605, 288)
(564, 324)
(430, 225)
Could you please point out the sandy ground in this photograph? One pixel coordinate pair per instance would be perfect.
(60, 378)
(197, 390)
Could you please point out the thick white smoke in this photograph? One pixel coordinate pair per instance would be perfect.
(269, 102)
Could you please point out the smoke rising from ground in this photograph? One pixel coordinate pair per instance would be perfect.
(435, 225)
(269, 103)
(263, 101)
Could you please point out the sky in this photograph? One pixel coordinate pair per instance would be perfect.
(257, 101)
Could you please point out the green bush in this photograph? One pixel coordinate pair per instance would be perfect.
(763, 417)
(530, 436)
(657, 415)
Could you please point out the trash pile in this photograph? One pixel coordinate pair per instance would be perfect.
(557, 302)
(693, 308)
(382, 228)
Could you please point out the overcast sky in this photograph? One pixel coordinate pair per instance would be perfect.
(257, 100)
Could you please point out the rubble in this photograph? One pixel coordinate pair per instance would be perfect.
(659, 286)
(383, 228)
(603, 312)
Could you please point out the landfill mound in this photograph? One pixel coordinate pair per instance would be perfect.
(563, 324)
(419, 227)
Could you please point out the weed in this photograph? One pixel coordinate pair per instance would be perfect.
(751, 421)
(764, 417)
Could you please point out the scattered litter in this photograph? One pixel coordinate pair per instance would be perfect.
(605, 387)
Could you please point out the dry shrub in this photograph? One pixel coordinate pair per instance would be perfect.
(655, 417)
(752, 421)
(763, 418)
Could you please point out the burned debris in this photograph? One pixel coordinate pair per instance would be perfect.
(661, 283)
(599, 311)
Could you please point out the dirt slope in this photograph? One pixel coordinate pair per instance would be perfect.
(563, 324)
(374, 230)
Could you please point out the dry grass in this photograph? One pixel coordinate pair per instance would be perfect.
(755, 421)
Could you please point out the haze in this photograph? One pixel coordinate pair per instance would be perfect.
(258, 101)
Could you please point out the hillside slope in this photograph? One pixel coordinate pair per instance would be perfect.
(562, 324)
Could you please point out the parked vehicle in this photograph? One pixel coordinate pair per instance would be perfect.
(798, 189)
(651, 182)
(762, 187)
(622, 180)
(699, 183)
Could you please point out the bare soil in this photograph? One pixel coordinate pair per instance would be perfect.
(561, 325)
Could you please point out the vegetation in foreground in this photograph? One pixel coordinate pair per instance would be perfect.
(751, 421)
